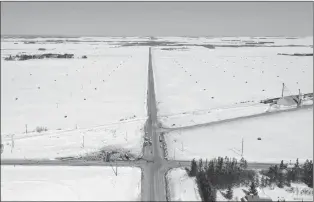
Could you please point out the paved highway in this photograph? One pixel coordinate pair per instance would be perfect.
(154, 181)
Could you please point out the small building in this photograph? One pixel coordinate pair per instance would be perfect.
(288, 100)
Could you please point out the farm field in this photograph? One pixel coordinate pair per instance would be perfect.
(193, 82)
(48, 105)
(62, 183)
(184, 188)
(284, 136)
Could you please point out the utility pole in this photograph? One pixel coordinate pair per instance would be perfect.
(26, 128)
(83, 143)
(12, 143)
(300, 99)
(242, 149)
(283, 86)
(116, 169)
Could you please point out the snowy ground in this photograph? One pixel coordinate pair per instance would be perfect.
(69, 183)
(184, 188)
(193, 81)
(294, 193)
(73, 95)
(125, 137)
(284, 136)
(181, 186)
(277, 41)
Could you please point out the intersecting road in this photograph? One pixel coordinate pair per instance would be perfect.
(153, 164)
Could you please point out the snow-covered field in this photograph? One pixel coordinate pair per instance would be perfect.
(125, 137)
(62, 183)
(284, 136)
(196, 80)
(184, 188)
(275, 41)
(73, 95)
(85, 103)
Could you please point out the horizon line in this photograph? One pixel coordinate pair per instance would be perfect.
(198, 36)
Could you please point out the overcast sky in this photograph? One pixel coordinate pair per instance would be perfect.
(157, 18)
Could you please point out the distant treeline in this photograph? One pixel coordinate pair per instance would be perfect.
(38, 56)
(296, 54)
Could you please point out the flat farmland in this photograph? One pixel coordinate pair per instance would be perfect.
(102, 98)
(192, 84)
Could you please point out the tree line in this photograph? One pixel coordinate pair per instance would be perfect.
(226, 173)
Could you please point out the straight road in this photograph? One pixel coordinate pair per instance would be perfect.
(153, 179)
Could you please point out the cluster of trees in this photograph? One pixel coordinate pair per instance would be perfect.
(220, 173)
(282, 175)
(40, 56)
(225, 173)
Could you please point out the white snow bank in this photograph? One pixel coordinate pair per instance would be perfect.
(284, 136)
(181, 186)
(62, 183)
(213, 115)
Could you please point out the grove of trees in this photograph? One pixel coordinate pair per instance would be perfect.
(220, 173)
(226, 173)
(283, 176)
